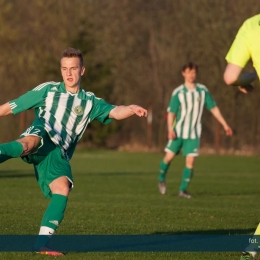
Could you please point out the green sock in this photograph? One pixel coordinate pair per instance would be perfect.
(55, 212)
(51, 219)
(10, 150)
(186, 177)
(163, 170)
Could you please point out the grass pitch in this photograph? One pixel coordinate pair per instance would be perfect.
(116, 193)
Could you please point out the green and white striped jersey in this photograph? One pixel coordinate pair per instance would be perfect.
(188, 107)
(64, 115)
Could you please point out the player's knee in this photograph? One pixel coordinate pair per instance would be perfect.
(60, 186)
(24, 144)
(168, 157)
(62, 190)
(190, 162)
(30, 144)
(190, 165)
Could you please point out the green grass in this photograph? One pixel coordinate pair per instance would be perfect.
(116, 193)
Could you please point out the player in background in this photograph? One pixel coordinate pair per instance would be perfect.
(246, 46)
(186, 107)
(63, 111)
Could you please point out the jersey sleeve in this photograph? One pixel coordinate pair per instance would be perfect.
(32, 99)
(239, 52)
(209, 101)
(101, 110)
(174, 104)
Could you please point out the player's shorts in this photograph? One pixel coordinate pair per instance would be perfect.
(189, 146)
(49, 161)
(37, 129)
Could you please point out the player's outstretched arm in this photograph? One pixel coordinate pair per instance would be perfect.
(233, 77)
(122, 112)
(5, 109)
(217, 114)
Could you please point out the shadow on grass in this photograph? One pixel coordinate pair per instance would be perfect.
(115, 173)
(218, 194)
(245, 231)
(15, 174)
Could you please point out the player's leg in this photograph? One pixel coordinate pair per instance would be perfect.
(165, 164)
(54, 214)
(28, 143)
(190, 151)
(18, 148)
(55, 179)
(32, 138)
(10, 150)
(172, 148)
(186, 177)
(250, 252)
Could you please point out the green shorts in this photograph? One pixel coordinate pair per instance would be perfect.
(189, 146)
(49, 161)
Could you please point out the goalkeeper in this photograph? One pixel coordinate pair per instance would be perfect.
(246, 46)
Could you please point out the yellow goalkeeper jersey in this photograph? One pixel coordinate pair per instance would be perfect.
(246, 45)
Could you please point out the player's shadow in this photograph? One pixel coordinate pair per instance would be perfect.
(245, 231)
(116, 173)
(15, 174)
(210, 194)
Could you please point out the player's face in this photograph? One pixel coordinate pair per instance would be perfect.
(189, 75)
(71, 71)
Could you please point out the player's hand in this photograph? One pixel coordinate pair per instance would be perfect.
(171, 135)
(139, 111)
(228, 131)
(246, 89)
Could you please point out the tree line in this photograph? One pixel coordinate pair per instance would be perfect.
(133, 51)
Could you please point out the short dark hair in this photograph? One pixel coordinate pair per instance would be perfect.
(190, 65)
(71, 52)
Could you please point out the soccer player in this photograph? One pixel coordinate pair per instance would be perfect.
(245, 47)
(63, 111)
(186, 107)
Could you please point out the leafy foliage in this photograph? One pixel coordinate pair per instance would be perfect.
(134, 51)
